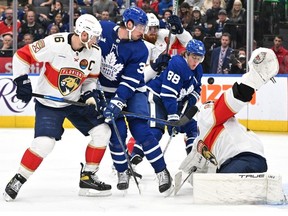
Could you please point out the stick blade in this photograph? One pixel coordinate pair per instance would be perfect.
(178, 181)
(188, 115)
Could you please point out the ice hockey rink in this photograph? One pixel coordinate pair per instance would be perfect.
(53, 188)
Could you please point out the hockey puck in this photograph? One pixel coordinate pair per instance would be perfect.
(210, 80)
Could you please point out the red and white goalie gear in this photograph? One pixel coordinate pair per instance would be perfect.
(199, 160)
(263, 66)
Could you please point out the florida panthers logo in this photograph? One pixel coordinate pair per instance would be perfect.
(207, 154)
(69, 80)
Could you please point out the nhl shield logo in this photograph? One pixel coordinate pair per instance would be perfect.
(69, 80)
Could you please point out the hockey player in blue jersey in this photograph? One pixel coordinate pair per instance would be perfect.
(178, 83)
(124, 56)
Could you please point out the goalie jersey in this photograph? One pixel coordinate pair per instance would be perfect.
(66, 73)
(220, 131)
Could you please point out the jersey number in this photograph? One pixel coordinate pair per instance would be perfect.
(174, 78)
(59, 39)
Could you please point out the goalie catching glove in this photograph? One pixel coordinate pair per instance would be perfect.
(263, 66)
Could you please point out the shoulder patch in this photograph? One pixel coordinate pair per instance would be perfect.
(38, 45)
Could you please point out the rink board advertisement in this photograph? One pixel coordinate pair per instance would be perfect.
(268, 110)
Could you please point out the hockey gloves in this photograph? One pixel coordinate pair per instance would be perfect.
(88, 98)
(171, 129)
(175, 24)
(113, 109)
(24, 88)
(160, 63)
(91, 99)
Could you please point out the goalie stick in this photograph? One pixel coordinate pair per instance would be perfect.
(178, 179)
(184, 120)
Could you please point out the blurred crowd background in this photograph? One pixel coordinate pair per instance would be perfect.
(218, 23)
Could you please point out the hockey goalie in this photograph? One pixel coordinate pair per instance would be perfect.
(227, 148)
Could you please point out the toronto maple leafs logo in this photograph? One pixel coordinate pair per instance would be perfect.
(109, 68)
(184, 92)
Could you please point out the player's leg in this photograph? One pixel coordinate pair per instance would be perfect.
(48, 128)
(245, 162)
(117, 154)
(88, 123)
(141, 131)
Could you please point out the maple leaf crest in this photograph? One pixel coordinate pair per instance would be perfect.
(184, 92)
(109, 67)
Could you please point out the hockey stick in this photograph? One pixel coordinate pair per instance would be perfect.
(125, 153)
(178, 179)
(120, 141)
(188, 115)
(185, 119)
(63, 100)
(173, 129)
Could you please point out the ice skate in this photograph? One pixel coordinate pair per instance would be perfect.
(165, 182)
(90, 185)
(13, 187)
(123, 180)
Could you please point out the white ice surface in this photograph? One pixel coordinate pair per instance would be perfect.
(53, 188)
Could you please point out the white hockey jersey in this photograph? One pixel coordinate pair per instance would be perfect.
(66, 73)
(161, 42)
(220, 131)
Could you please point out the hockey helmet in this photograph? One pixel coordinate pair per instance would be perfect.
(136, 15)
(89, 24)
(196, 47)
(153, 21)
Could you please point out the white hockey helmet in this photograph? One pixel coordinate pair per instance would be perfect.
(89, 24)
(153, 21)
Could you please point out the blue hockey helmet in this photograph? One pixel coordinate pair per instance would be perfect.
(196, 47)
(136, 15)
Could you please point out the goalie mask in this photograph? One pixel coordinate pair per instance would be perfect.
(89, 24)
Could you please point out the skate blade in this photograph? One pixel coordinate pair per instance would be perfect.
(168, 192)
(6, 197)
(94, 193)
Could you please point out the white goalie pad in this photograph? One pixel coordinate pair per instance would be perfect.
(242, 188)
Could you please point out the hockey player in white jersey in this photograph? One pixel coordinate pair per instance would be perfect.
(71, 66)
(223, 143)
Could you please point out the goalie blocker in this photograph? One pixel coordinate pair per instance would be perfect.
(238, 188)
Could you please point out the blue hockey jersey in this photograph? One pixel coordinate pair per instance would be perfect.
(122, 63)
(177, 83)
